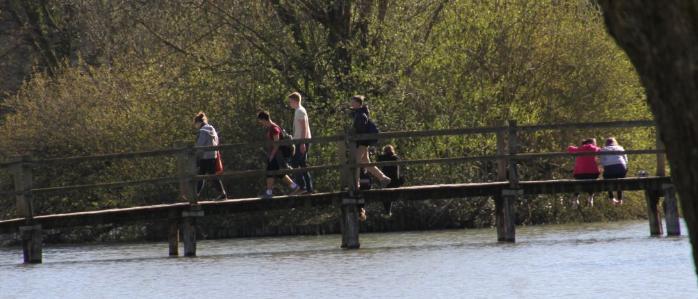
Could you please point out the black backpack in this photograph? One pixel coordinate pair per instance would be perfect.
(286, 149)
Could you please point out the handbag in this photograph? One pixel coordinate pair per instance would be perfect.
(219, 163)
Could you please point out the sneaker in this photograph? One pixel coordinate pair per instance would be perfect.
(385, 182)
(221, 197)
(362, 215)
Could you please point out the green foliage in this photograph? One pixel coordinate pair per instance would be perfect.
(423, 65)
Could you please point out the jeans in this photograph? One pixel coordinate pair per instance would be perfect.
(299, 160)
(615, 171)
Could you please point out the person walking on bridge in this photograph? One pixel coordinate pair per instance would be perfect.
(585, 167)
(363, 125)
(206, 160)
(301, 130)
(614, 166)
(276, 160)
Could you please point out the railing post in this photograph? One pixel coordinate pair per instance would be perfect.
(350, 203)
(671, 211)
(30, 232)
(661, 157)
(513, 150)
(187, 171)
(504, 207)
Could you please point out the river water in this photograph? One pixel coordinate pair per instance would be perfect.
(601, 260)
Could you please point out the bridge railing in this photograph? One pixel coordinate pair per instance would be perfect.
(507, 154)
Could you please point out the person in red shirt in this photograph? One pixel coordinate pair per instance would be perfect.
(275, 157)
(585, 167)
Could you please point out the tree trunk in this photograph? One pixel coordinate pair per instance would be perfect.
(660, 38)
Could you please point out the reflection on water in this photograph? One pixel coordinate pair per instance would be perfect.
(610, 260)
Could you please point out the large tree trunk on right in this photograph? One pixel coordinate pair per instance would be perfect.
(661, 39)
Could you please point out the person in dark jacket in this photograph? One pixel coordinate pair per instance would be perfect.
(206, 160)
(392, 171)
(362, 125)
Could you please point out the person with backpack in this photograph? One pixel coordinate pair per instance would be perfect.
(206, 160)
(301, 130)
(277, 155)
(364, 125)
(614, 166)
(585, 167)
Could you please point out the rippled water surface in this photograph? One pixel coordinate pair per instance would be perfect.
(609, 260)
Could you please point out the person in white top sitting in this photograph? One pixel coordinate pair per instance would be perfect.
(614, 166)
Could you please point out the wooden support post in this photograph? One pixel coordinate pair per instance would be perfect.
(30, 233)
(661, 157)
(351, 165)
(350, 205)
(506, 217)
(505, 210)
(671, 211)
(501, 151)
(32, 243)
(186, 168)
(173, 233)
(513, 149)
(350, 223)
(499, 201)
(189, 229)
(345, 176)
(652, 198)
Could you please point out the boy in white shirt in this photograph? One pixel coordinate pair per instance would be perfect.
(301, 130)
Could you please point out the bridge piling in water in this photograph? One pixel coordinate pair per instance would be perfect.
(655, 221)
(671, 211)
(350, 223)
(173, 233)
(30, 232)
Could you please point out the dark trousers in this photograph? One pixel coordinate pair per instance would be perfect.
(615, 171)
(208, 166)
(303, 179)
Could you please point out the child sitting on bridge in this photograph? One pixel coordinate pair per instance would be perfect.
(614, 166)
(585, 167)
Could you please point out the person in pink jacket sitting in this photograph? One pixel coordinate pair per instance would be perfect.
(585, 167)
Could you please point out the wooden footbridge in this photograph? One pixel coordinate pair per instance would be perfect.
(182, 216)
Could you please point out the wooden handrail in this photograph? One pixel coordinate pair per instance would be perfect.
(594, 125)
(336, 138)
